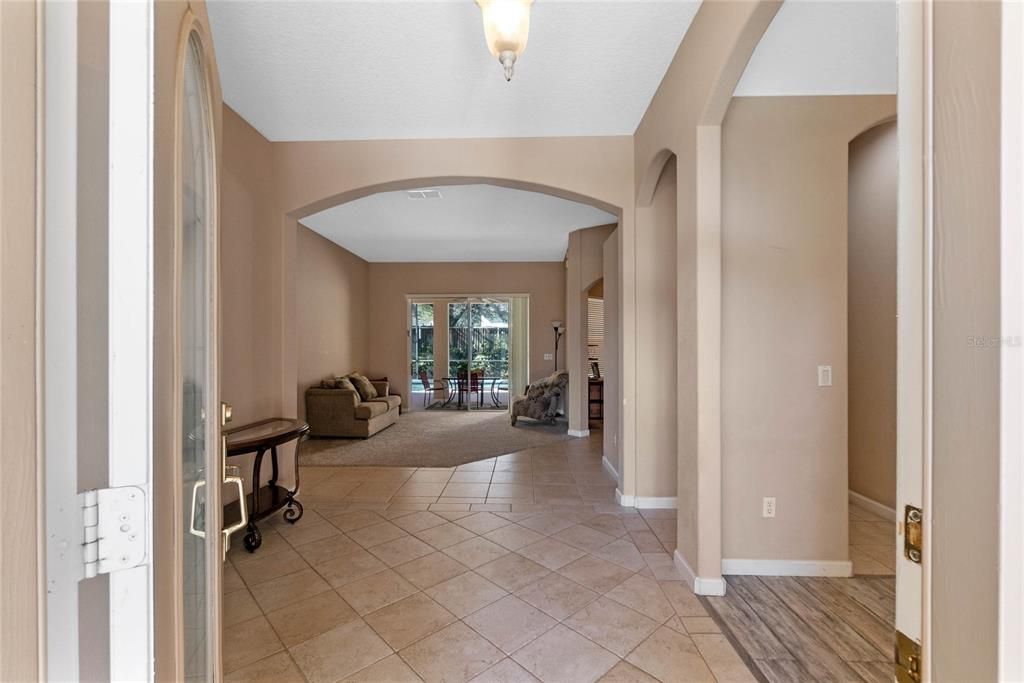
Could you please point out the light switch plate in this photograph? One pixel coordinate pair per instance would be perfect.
(824, 375)
(768, 507)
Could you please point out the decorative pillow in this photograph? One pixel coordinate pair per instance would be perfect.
(363, 386)
(338, 383)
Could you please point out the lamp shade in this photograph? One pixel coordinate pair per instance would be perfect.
(506, 29)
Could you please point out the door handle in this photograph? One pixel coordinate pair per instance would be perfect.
(231, 475)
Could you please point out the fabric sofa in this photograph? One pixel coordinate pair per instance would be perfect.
(542, 398)
(343, 413)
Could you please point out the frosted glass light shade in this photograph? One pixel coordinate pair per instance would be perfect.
(506, 29)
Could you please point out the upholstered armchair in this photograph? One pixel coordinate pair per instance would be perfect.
(541, 399)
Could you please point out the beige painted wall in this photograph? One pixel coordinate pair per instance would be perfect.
(249, 349)
(391, 283)
(22, 591)
(611, 356)
(656, 346)
(965, 451)
(784, 214)
(871, 263)
(333, 299)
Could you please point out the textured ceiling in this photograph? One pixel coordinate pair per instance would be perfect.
(825, 48)
(469, 223)
(334, 70)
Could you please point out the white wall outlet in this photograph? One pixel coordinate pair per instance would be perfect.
(824, 375)
(768, 507)
(549, 356)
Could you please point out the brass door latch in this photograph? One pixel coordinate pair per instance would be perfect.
(908, 659)
(913, 540)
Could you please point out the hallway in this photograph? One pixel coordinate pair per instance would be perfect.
(517, 568)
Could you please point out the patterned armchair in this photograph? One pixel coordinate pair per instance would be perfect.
(541, 399)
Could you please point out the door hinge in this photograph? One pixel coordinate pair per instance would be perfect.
(908, 659)
(913, 534)
(114, 524)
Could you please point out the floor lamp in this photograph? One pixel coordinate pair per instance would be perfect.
(559, 327)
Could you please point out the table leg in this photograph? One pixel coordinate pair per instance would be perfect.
(253, 539)
(293, 512)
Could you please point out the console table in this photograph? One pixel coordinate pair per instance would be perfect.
(260, 437)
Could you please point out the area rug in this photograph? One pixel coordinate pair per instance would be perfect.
(434, 439)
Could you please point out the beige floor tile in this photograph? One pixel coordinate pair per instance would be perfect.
(670, 656)
(400, 550)
(388, 670)
(231, 581)
(355, 519)
(509, 623)
(611, 625)
(596, 574)
(498, 504)
(467, 490)
(463, 501)
(557, 596)
(643, 595)
(376, 591)
(700, 625)
(327, 549)
(513, 467)
(374, 491)
(300, 533)
(623, 553)
(547, 524)
(419, 489)
(239, 606)
(430, 570)
(454, 654)
(722, 659)
(445, 535)
(302, 620)
(513, 536)
(486, 465)
(662, 566)
(408, 620)
(348, 568)
(418, 521)
(512, 477)
(513, 571)
(475, 552)
(584, 538)
(635, 522)
(432, 474)
(551, 553)
(608, 524)
(340, 652)
(289, 588)
(624, 672)
(470, 477)
(646, 541)
(277, 668)
(249, 642)
(465, 593)
(562, 655)
(377, 534)
(263, 568)
(272, 543)
(506, 671)
(405, 506)
(521, 491)
(483, 522)
(543, 476)
(682, 599)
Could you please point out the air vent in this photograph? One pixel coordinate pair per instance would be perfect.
(423, 194)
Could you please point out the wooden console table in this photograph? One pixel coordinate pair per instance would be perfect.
(258, 438)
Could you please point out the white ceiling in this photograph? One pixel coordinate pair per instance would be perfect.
(826, 47)
(352, 70)
(469, 223)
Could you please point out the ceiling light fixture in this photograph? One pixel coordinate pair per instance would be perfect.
(506, 28)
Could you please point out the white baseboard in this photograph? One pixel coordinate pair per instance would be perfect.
(787, 567)
(609, 468)
(644, 502)
(700, 585)
(873, 506)
(579, 432)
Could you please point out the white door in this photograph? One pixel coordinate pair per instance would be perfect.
(98, 349)
(914, 343)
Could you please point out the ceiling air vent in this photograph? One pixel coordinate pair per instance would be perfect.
(423, 194)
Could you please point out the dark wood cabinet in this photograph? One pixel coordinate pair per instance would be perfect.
(595, 399)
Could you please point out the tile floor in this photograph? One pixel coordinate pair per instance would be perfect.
(516, 568)
(872, 543)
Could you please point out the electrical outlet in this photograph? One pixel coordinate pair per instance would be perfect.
(768, 507)
(549, 356)
(824, 375)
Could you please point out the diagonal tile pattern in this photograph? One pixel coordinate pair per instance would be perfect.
(519, 567)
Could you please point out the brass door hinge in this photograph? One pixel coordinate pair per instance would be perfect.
(908, 659)
(913, 538)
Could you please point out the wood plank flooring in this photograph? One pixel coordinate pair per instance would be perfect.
(810, 629)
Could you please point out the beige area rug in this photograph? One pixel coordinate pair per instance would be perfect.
(434, 439)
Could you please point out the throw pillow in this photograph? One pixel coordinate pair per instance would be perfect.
(363, 386)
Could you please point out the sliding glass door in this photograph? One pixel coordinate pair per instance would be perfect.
(478, 352)
(423, 378)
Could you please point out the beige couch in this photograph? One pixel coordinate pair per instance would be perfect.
(341, 413)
